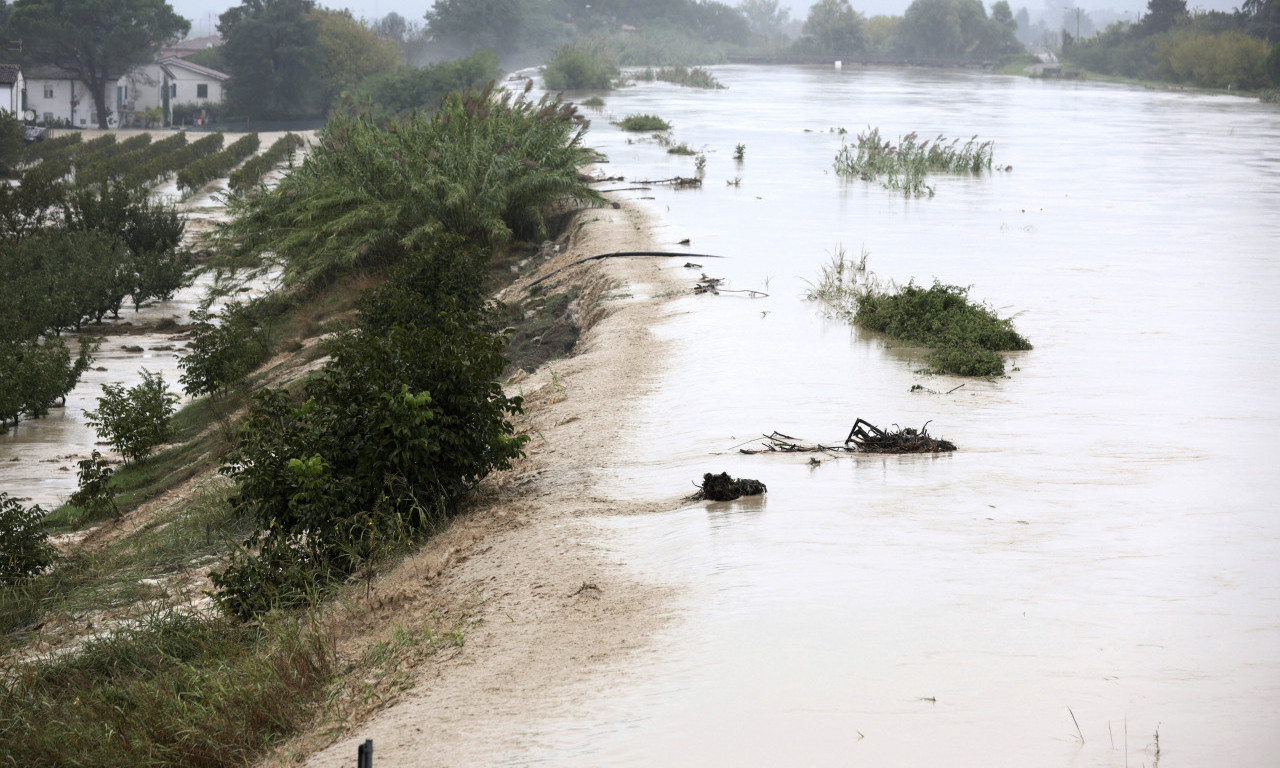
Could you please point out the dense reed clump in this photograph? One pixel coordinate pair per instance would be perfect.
(905, 166)
(484, 166)
(172, 690)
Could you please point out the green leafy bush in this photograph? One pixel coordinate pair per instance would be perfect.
(221, 354)
(24, 543)
(966, 335)
(94, 495)
(135, 421)
(579, 65)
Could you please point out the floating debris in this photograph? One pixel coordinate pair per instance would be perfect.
(864, 437)
(721, 487)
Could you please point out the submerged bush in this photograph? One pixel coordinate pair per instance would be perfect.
(644, 123)
(965, 335)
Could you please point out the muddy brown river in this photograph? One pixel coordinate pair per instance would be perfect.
(1104, 548)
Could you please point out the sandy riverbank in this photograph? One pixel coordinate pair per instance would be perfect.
(547, 603)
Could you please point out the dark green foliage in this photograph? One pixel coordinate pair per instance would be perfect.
(211, 167)
(24, 543)
(410, 89)
(222, 354)
(37, 151)
(137, 420)
(94, 495)
(447, 275)
(483, 166)
(966, 335)
(696, 77)
(174, 690)
(1273, 65)
(834, 28)
(248, 175)
(643, 123)
(392, 434)
(12, 143)
(581, 64)
(270, 48)
(118, 165)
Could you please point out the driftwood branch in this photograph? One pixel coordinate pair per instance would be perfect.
(622, 254)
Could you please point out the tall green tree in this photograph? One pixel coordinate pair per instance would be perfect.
(272, 55)
(765, 17)
(833, 27)
(96, 40)
(472, 24)
(1162, 16)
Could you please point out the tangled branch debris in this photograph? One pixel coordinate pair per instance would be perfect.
(864, 437)
(712, 285)
(721, 487)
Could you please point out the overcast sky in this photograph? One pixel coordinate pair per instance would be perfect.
(204, 15)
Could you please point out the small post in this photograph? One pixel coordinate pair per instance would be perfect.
(364, 754)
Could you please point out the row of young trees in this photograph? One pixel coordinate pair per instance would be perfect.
(71, 255)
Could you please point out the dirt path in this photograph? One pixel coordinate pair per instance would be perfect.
(549, 605)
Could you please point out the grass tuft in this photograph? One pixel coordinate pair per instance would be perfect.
(904, 167)
(643, 123)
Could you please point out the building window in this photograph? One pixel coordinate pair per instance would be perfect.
(173, 90)
(202, 91)
(48, 91)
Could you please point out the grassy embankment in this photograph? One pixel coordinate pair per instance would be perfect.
(194, 687)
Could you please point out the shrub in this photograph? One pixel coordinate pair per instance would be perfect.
(221, 354)
(1229, 59)
(24, 543)
(643, 123)
(965, 335)
(580, 64)
(210, 167)
(1272, 65)
(94, 495)
(410, 89)
(248, 175)
(136, 421)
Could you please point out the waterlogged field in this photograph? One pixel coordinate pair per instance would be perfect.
(1092, 579)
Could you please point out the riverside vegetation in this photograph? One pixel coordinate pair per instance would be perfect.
(904, 167)
(396, 226)
(966, 338)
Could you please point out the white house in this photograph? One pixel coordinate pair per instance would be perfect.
(58, 97)
(187, 83)
(12, 85)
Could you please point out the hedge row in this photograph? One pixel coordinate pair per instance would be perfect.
(38, 151)
(249, 174)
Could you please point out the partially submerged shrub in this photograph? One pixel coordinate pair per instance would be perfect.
(94, 495)
(965, 335)
(643, 123)
(696, 77)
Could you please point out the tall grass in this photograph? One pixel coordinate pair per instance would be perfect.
(171, 690)
(904, 167)
(697, 77)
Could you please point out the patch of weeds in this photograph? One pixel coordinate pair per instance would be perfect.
(681, 149)
(739, 152)
(170, 690)
(592, 101)
(903, 168)
(697, 77)
(543, 328)
(643, 123)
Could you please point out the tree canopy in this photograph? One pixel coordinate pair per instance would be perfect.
(272, 55)
(833, 27)
(96, 40)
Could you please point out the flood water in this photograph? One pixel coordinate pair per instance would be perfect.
(1104, 548)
